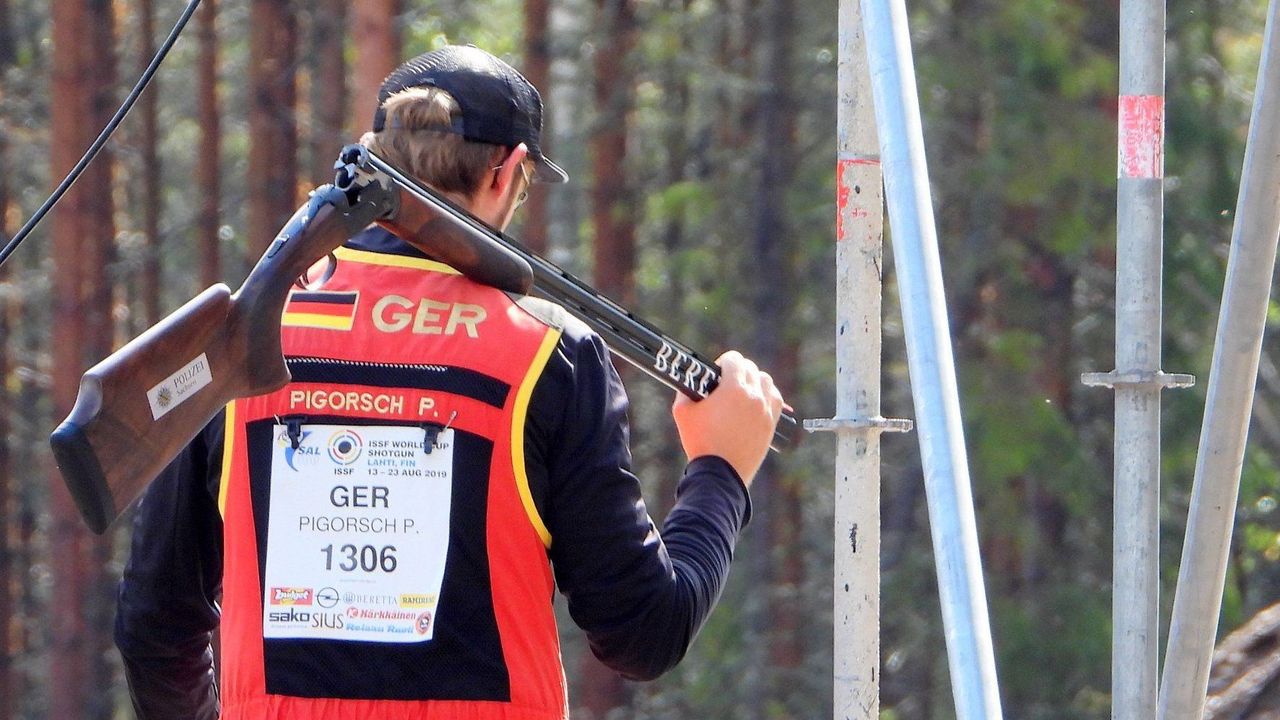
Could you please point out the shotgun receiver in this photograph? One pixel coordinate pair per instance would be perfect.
(139, 407)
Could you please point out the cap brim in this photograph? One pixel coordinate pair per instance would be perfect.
(548, 172)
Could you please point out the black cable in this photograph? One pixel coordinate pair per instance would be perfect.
(105, 135)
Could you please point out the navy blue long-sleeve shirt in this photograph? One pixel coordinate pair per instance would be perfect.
(640, 595)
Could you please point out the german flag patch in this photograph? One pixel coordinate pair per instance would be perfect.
(329, 310)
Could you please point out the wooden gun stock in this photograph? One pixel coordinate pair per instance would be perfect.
(139, 407)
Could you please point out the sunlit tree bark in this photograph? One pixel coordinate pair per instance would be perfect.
(208, 169)
(273, 153)
(614, 249)
(375, 30)
(773, 342)
(612, 213)
(71, 119)
(537, 68)
(148, 138)
(328, 87)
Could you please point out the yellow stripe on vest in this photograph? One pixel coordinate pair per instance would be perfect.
(521, 411)
(228, 438)
(373, 258)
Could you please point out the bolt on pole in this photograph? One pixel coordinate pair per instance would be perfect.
(1233, 376)
(859, 256)
(933, 380)
(1137, 379)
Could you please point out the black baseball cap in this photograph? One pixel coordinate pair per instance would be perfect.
(499, 106)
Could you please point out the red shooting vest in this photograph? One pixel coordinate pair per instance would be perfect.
(411, 344)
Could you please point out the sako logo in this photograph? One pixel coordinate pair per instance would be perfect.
(345, 447)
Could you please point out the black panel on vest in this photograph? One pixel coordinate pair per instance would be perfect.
(445, 378)
(463, 661)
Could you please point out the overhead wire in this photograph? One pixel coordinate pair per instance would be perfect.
(103, 136)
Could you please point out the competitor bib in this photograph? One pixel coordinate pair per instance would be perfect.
(358, 533)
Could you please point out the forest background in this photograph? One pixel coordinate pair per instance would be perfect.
(700, 136)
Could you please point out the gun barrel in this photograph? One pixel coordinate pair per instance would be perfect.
(628, 336)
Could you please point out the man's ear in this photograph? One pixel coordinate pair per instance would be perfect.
(510, 169)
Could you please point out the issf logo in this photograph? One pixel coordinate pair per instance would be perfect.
(345, 447)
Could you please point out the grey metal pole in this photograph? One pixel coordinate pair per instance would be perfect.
(1232, 377)
(1137, 379)
(932, 367)
(859, 225)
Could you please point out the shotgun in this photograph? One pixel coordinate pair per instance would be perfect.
(139, 407)
(628, 336)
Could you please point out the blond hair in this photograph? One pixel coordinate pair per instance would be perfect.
(417, 138)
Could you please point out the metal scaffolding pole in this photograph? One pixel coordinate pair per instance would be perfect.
(1137, 379)
(859, 225)
(933, 380)
(1232, 377)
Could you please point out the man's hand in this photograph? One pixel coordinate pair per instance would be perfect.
(736, 420)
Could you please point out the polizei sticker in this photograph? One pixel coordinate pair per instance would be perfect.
(175, 389)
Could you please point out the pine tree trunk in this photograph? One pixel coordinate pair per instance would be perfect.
(101, 289)
(99, 81)
(273, 162)
(208, 169)
(151, 199)
(376, 32)
(71, 118)
(611, 203)
(328, 87)
(675, 82)
(537, 69)
(777, 351)
(601, 690)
